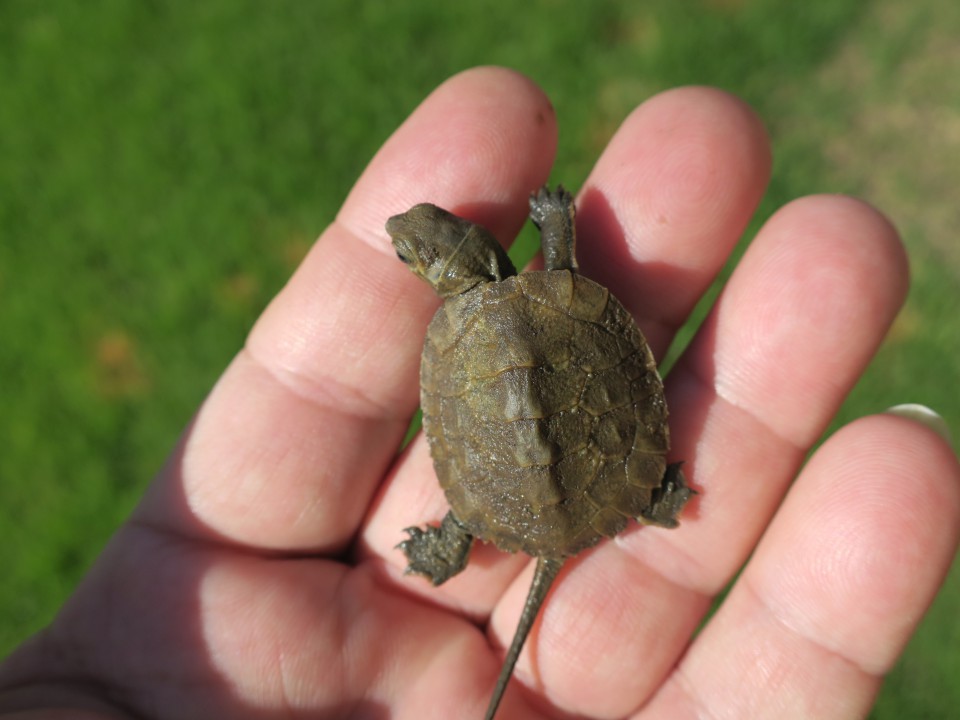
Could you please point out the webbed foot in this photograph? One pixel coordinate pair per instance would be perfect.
(668, 499)
(437, 553)
(553, 212)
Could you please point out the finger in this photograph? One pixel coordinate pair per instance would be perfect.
(802, 313)
(665, 204)
(840, 581)
(288, 448)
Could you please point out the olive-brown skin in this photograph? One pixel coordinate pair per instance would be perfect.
(544, 412)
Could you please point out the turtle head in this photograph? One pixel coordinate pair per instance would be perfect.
(452, 254)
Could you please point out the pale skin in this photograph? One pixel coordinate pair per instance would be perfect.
(258, 577)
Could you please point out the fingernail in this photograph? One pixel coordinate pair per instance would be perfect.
(924, 415)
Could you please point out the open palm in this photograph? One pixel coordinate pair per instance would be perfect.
(259, 576)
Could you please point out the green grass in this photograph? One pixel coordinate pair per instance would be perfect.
(163, 166)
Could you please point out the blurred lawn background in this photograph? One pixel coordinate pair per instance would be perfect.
(164, 166)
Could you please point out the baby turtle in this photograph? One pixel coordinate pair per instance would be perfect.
(541, 403)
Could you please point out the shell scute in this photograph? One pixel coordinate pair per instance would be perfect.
(589, 301)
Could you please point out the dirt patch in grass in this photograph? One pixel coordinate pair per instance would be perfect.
(900, 145)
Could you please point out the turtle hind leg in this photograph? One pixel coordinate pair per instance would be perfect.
(437, 553)
(668, 499)
(552, 211)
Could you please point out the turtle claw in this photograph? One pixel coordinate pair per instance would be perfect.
(545, 202)
(437, 553)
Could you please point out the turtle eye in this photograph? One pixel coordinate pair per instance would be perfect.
(403, 258)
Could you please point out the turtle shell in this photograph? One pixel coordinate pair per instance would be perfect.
(544, 412)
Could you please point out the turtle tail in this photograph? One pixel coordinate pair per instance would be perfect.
(546, 572)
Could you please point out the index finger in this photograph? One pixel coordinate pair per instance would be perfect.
(286, 451)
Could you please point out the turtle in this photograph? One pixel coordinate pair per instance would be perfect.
(542, 405)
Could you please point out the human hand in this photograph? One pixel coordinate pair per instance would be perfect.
(259, 577)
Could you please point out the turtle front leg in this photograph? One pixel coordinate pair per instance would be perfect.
(552, 211)
(437, 553)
